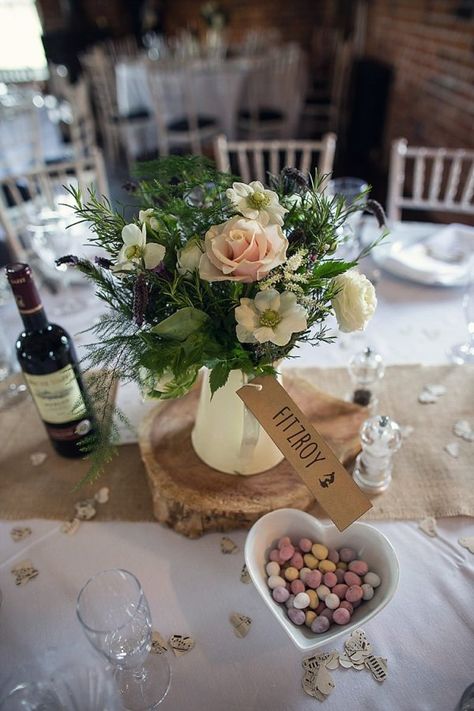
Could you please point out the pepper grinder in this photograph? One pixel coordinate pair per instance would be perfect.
(366, 369)
(380, 438)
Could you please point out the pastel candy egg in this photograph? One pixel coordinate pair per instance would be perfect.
(347, 554)
(332, 601)
(275, 581)
(275, 555)
(347, 606)
(280, 594)
(289, 602)
(301, 601)
(367, 591)
(339, 575)
(320, 625)
(351, 578)
(341, 616)
(333, 555)
(322, 591)
(354, 594)
(326, 566)
(291, 573)
(296, 616)
(327, 613)
(310, 561)
(319, 551)
(296, 560)
(359, 566)
(284, 541)
(313, 598)
(305, 545)
(330, 579)
(320, 608)
(297, 586)
(287, 552)
(309, 618)
(341, 565)
(372, 579)
(340, 590)
(357, 603)
(313, 579)
(272, 568)
(303, 573)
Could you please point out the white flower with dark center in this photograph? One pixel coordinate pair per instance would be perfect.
(271, 316)
(146, 218)
(257, 203)
(136, 251)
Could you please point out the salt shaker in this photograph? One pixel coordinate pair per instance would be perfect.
(380, 438)
(366, 369)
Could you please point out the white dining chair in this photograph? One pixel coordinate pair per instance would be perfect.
(253, 160)
(178, 121)
(20, 137)
(435, 179)
(24, 196)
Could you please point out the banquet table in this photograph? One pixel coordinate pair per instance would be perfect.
(426, 632)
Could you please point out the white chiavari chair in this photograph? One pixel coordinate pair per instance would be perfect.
(254, 159)
(20, 138)
(25, 199)
(434, 179)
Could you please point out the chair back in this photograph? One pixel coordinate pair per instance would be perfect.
(20, 138)
(435, 179)
(254, 159)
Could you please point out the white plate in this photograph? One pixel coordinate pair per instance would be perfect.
(371, 545)
(436, 257)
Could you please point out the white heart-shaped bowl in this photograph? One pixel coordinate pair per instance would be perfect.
(370, 544)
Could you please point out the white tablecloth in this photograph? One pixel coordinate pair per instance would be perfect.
(426, 632)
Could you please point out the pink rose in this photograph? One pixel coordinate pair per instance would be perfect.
(242, 250)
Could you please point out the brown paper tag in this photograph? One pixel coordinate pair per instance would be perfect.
(306, 450)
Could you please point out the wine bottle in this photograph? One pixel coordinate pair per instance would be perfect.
(48, 360)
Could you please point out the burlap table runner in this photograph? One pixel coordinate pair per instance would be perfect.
(426, 479)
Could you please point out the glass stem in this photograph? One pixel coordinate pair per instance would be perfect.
(140, 674)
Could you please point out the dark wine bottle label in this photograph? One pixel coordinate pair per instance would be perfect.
(71, 433)
(26, 294)
(57, 396)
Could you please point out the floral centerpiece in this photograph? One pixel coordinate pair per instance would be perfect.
(216, 273)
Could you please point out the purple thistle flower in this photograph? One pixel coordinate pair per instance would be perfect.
(103, 262)
(140, 299)
(377, 210)
(161, 271)
(130, 186)
(69, 259)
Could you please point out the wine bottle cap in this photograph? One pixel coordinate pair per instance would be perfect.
(24, 289)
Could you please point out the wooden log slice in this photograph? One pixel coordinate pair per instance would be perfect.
(193, 498)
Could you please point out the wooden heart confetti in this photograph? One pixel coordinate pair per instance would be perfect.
(240, 623)
(467, 543)
(102, 496)
(19, 533)
(228, 546)
(463, 429)
(245, 575)
(158, 643)
(452, 449)
(428, 526)
(85, 510)
(24, 572)
(70, 527)
(181, 644)
(38, 458)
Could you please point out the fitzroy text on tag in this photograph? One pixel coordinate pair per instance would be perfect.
(306, 450)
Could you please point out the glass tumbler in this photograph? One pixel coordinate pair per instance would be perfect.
(114, 613)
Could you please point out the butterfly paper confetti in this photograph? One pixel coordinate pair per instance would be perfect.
(158, 643)
(428, 526)
(37, 458)
(19, 533)
(240, 623)
(228, 546)
(467, 543)
(102, 496)
(463, 429)
(24, 572)
(181, 644)
(452, 448)
(245, 575)
(431, 394)
(85, 510)
(317, 681)
(70, 527)
(358, 655)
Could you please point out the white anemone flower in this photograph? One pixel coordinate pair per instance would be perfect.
(135, 250)
(146, 218)
(271, 316)
(257, 203)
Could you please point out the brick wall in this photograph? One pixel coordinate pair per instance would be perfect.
(431, 50)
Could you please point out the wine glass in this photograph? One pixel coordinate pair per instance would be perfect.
(31, 696)
(114, 613)
(464, 352)
(349, 189)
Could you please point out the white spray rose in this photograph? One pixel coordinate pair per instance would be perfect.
(355, 301)
(189, 257)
